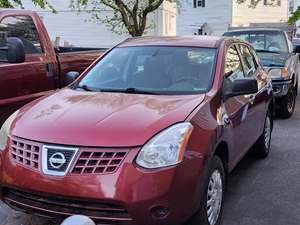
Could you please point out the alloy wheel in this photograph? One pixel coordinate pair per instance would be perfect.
(290, 101)
(214, 197)
(267, 132)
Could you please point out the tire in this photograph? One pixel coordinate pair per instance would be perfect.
(215, 173)
(286, 104)
(262, 146)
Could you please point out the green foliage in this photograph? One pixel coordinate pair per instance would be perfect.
(18, 3)
(129, 16)
(294, 17)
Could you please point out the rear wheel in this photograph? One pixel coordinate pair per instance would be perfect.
(287, 104)
(262, 146)
(211, 207)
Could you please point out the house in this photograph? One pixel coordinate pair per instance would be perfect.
(70, 28)
(215, 17)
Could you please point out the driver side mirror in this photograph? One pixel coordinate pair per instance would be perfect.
(297, 49)
(13, 50)
(71, 76)
(242, 87)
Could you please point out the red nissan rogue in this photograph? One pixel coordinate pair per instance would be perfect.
(145, 136)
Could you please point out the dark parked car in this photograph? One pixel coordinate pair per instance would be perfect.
(145, 136)
(30, 67)
(280, 59)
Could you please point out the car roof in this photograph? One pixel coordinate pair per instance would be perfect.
(254, 29)
(183, 41)
(16, 12)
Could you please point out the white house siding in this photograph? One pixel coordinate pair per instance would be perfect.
(242, 15)
(216, 13)
(73, 28)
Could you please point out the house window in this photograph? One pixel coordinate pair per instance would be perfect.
(199, 3)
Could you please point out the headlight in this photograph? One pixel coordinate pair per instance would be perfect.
(166, 148)
(5, 130)
(279, 73)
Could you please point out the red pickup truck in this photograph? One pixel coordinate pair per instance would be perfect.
(30, 66)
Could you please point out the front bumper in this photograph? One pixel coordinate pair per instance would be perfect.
(281, 87)
(129, 196)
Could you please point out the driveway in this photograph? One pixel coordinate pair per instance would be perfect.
(260, 192)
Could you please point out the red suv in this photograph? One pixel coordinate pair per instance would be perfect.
(146, 136)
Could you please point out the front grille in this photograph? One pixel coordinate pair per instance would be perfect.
(100, 212)
(59, 160)
(25, 153)
(98, 162)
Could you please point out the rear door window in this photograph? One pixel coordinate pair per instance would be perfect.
(23, 28)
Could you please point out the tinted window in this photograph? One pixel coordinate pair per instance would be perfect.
(273, 41)
(3, 54)
(248, 61)
(233, 68)
(24, 28)
(163, 70)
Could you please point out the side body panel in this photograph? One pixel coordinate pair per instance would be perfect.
(22, 83)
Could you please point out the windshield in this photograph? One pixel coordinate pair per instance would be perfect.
(263, 41)
(153, 70)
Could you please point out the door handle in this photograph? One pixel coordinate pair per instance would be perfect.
(48, 67)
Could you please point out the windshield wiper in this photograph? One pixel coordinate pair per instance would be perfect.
(116, 90)
(267, 51)
(130, 90)
(275, 65)
(84, 87)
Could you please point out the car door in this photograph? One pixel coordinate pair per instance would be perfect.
(257, 104)
(21, 83)
(236, 108)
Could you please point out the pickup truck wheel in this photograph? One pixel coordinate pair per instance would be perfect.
(287, 104)
(211, 206)
(262, 146)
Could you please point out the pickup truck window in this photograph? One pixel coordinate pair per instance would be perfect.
(24, 28)
(263, 41)
(159, 70)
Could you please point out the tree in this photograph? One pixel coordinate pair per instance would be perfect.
(18, 3)
(295, 16)
(125, 15)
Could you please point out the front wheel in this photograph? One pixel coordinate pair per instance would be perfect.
(287, 104)
(211, 207)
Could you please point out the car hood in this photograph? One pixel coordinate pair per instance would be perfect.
(80, 118)
(273, 59)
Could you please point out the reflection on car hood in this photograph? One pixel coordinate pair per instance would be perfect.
(273, 59)
(101, 119)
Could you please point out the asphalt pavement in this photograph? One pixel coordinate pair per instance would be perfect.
(260, 192)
